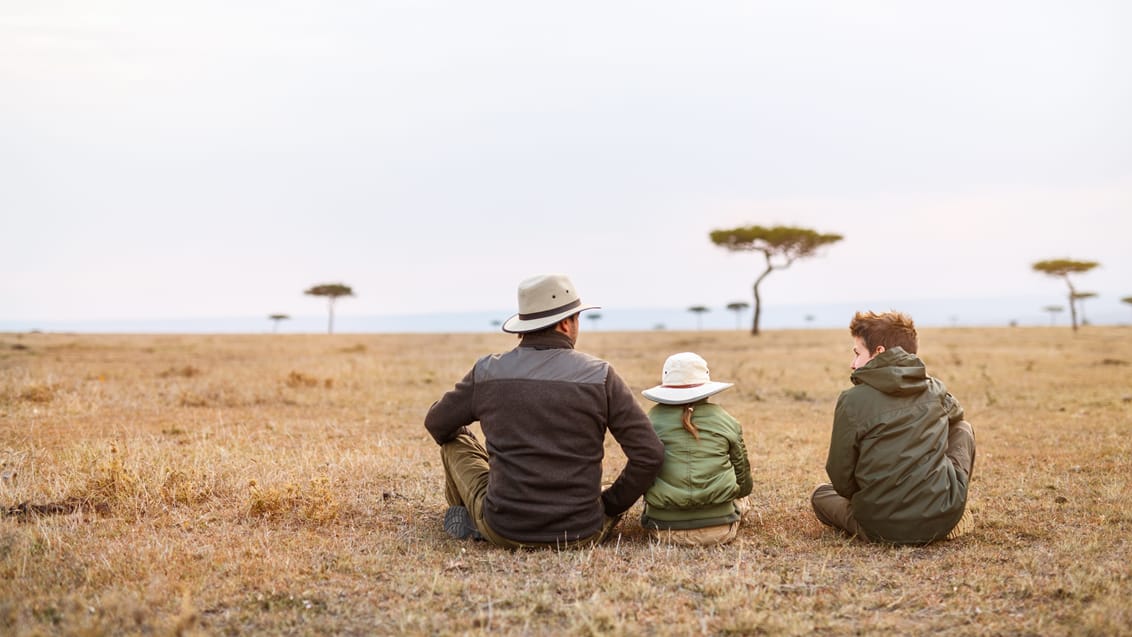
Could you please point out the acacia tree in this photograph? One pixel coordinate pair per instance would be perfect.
(331, 291)
(1127, 299)
(780, 245)
(275, 318)
(1080, 297)
(737, 307)
(1053, 312)
(593, 317)
(699, 310)
(1063, 268)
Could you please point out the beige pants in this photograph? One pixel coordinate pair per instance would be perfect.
(836, 511)
(465, 484)
(707, 536)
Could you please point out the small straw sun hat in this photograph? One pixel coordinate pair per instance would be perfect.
(685, 379)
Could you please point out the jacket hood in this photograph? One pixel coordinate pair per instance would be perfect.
(893, 372)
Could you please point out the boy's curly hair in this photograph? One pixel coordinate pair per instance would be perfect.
(890, 329)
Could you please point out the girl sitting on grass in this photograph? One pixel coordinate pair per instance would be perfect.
(694, 499)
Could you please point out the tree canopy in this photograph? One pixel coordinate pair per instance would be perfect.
(699, 310)
(737, 307)
(275, 318)
(331, 291)
(1053, 311)
(1062, 268)
(780, 245)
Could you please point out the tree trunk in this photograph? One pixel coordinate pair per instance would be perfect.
(330, 325)
(1072, 302)
(758, 301)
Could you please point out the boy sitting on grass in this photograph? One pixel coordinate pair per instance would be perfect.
(901, 454)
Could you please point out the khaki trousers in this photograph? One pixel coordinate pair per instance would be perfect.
(833, 510)
(465, 484)
(706, 536)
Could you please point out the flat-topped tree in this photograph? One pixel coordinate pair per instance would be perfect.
(737, 307)
(275, 318)
(1127, 299)
(1062, 268)
(1080, 298)
(699, 310)
(780, 245)
(331, 291)
(593, 317)
(1053, 310)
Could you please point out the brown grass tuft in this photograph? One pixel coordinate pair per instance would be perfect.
(188, 371)
(313, 502)
(299, 379)
(39, 393)
(113, 485)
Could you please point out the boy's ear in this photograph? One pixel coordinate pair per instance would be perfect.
(880, 350)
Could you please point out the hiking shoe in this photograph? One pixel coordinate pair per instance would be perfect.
(458, 524)
(964, 526)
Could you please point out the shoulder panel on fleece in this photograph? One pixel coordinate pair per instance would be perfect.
(563, 365)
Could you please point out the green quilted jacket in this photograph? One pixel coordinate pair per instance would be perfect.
(700, 479)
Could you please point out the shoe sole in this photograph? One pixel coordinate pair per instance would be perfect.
(458, 524)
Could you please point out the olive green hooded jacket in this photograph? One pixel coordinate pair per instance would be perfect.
(887, 451)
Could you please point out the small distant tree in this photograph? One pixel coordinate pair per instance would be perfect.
(1080, 298)
(780, 245)
(1127, 299)
(699, 310)
(1063, 268)
(594, 317)
(1053, 310)
(737, 307)
(332, 291)
(275, 318)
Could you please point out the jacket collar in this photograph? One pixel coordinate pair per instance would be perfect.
(546, 339)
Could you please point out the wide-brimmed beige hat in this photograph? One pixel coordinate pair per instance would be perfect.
(685, 379)
(543, 301)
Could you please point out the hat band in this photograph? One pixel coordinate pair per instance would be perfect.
(683, 386)
(546, 313)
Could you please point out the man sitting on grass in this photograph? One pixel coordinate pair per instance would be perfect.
(901, 454)
(544, 409)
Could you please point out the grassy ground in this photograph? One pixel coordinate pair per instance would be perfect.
(284, 484)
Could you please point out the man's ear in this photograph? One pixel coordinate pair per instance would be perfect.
(563, 325)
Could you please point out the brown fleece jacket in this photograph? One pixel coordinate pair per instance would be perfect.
(544, 409)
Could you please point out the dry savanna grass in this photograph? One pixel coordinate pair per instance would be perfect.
(283, 484)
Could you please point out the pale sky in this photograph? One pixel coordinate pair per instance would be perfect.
(216, 158)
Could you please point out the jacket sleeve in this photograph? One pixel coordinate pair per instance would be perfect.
(632, 430)
(951, 406)
(455, 410)
(844, 448)
(742, 465)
